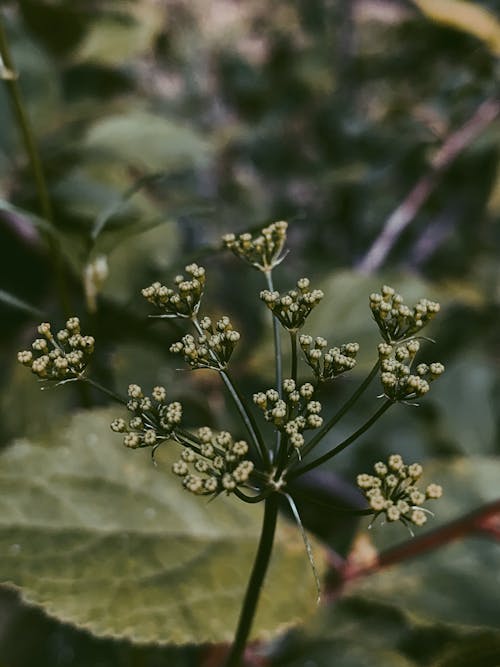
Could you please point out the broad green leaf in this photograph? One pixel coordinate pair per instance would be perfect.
(356, 632)
(99, 538)
(467, 16)
(123, 36)
(148, 141)
(451, 584)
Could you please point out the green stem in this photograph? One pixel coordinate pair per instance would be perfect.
(248, 418)
(36, 167)
(293, 345)
(338, 415)
(241, 406)
(253, 499)
(105, 390)
(255, 582)
(345, 443)
(278, 364)
(277, 339)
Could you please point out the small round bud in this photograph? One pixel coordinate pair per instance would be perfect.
(434, 491)
(134, 391)
(118, 425)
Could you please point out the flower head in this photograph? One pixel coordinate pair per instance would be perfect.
(62, 356)
(184, 299)
(152, 421)
(395, 320)
(213, 348)
(293, 307)
(294, 413)
(328, 363)
(263, 251)
(400, 383)
(393, 491)
(213, 462)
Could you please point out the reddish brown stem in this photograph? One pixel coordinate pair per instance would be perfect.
(484, 520)
(401, 217)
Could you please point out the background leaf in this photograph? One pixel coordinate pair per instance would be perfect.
(101, 539)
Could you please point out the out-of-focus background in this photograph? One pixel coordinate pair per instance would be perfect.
(372, 126)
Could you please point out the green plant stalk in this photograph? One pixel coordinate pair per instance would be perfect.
(345, 443)
(36, 167)
(116, 397)
(255, 582)
(248, 418)
(244, 411)
(277, 339)
(338, 415)
(280, 446)
(293, 346)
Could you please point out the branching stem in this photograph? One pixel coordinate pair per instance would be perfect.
(345, 443)
(340, 413)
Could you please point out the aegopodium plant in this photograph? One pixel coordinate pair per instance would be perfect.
(259, 469)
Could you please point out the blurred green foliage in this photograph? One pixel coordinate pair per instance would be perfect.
(162, 125)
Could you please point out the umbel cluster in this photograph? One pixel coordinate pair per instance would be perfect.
(211, 462)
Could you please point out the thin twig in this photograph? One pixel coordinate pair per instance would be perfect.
(480, 521)
(484, 115)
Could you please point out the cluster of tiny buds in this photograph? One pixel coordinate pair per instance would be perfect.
(60, 357)
(263, 251)
(218, 462)
(293, 307)
(397, 321)
(292, 414)
(184, 301)
(328, 363)
(153, 419)
(398, 381)
(393, 491)
(214, 347)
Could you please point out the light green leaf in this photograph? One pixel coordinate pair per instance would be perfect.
(467, 16)
(98, 537)
(122, 37)
(148, 141)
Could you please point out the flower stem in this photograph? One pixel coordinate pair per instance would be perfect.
(255, 582)
(277, 339)
(105, 390)
(293, 345)
(280, 445)
(248, 418)
(340, 413)
(28, 138)
(241, 406)
(345, 443)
